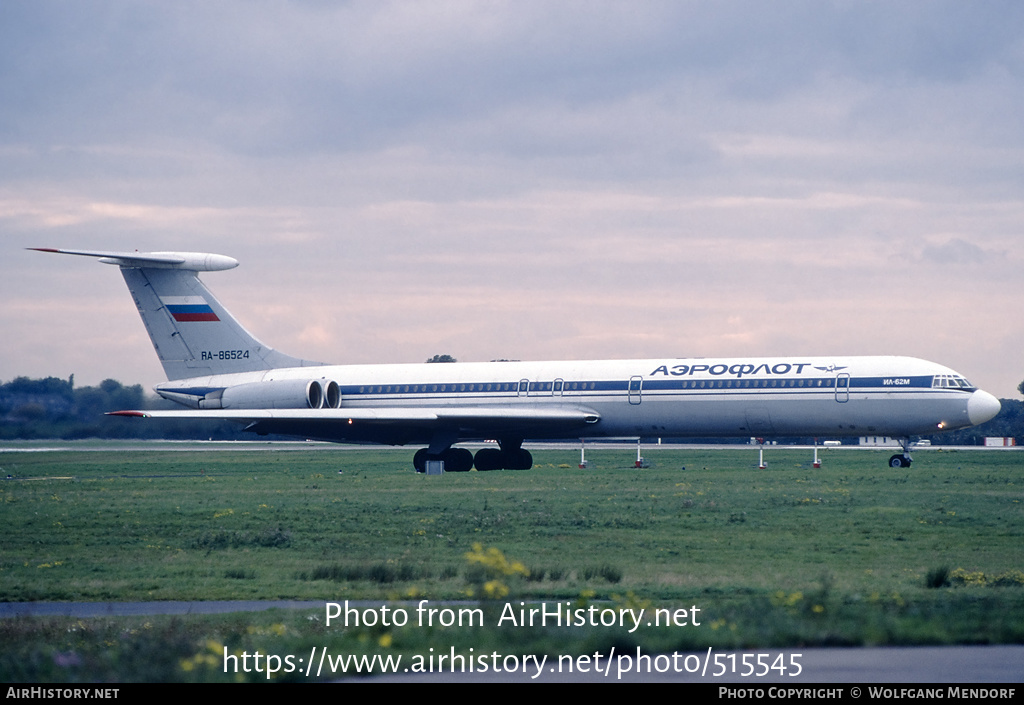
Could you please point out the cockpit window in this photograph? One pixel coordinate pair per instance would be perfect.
(951, 382)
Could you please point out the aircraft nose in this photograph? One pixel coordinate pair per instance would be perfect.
(981, 407)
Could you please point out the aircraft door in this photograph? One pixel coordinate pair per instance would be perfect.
(636, 384)
(843, 388)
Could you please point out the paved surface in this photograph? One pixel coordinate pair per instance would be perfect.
(912, 664)
(954, 665)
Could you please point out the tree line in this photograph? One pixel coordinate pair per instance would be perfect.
(54, 408)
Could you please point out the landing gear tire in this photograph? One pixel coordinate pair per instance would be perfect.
(419, 461)
(518, 460)
(488, 459)
(457, 460)
(899, 461)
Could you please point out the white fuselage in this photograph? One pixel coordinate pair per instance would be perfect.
(712, 397)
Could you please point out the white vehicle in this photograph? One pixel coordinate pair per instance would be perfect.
(218, 370)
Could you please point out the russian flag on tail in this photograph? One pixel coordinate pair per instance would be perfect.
(189, 308)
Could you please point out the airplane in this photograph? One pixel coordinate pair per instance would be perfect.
(218, 370)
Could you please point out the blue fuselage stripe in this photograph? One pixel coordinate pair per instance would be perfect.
(663, 387)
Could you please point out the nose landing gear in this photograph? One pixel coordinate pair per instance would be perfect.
(902, 460)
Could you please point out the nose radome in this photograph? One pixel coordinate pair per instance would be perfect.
(981, 407)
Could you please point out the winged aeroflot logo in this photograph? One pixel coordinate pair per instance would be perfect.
(831, 368)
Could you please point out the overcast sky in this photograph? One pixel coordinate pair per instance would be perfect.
(525, 180)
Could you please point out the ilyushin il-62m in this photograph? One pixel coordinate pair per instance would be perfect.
(218, 370)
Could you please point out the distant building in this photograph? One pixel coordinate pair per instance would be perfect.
(879, 441)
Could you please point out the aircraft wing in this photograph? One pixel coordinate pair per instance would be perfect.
(395, 414)
(412, 423)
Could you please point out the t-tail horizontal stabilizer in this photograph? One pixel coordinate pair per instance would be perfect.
(192, 261)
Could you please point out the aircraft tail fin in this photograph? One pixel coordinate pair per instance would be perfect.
(193, 334)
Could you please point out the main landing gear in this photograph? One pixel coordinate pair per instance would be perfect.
(902, 460)
(511, 456)
(455, 459)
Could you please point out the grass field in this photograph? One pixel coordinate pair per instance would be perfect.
(852, 553)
